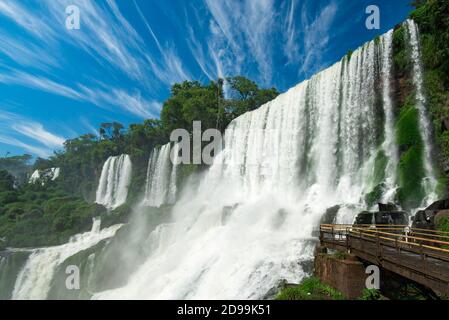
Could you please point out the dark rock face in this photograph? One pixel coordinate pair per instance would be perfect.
(387, 207)
(439, 205)
(330, 215)
(429, 217)
(382, 217)
(365, 217)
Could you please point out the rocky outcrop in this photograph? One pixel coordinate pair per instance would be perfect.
(430, 217)
(387, 214)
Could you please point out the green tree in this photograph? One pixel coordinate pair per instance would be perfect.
(6, 181)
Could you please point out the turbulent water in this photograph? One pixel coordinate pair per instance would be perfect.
(34, 280)
(247, 225)
(421, 103)
(45, 175)
(114, 182)
(160, 186)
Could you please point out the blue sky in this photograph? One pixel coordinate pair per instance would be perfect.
(56, 83)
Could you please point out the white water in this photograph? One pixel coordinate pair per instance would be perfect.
(160, 186)
(34, 177)
(45, 175)
(249, 224)
(33, 281)
(421, 104)
(389, 146)
(114, 182)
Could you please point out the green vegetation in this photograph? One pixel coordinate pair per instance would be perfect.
(432, 16)
(310, 289)
(371, 294)
(380, 165)
(340, 255)
(35, 215)
(443, 224)
(408, 135)
(18, 166)
(411, 171)
(40, 215)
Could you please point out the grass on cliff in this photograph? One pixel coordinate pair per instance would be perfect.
(310, 289)
(411, 170)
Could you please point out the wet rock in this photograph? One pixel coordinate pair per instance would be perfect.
(387, 207)
(430, 217)
(227, 213)
(445, 124)
(439, 205)
(382, 217)
(330, 215)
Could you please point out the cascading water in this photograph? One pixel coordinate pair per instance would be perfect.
(389, 147)
(44, 176)
(114, 181)
(430, 181)
(160, 187)
(249, 223)
(34, 280)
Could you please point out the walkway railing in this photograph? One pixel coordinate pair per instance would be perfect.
(418, 254)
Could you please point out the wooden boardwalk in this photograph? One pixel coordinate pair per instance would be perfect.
(416, 254)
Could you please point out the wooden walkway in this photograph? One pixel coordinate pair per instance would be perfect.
(416, 254)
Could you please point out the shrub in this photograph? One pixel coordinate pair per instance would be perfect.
(310, 289)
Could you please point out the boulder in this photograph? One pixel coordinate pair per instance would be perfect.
(382, 217)
(429, 217)
(439, 205)
(391, 217)
(387, 207)
(330, 215)
(365, 217)
(440, 216)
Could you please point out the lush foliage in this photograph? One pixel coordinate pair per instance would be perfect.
(37, 215)
(432, 17)
(18, 166)
(370, 294)
(408, 135)
(310, 289)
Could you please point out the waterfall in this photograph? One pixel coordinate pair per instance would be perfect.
(173, 189)
(249, 223)
(160, 186)
(114, 181)
(421, 104)
(247, 226)
(44, 176)
(35, 177)
(34, 280)
(389, 145)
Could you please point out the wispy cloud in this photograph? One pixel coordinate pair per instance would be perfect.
(247, 27)
(107, 37)
(15, 130)
(40, 151)
(126, 65)
(39, 83)
(37, 132)
(26, 19)
(316, 36)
